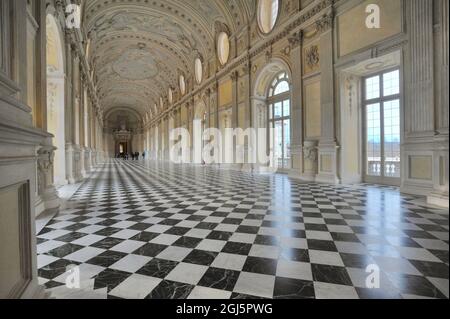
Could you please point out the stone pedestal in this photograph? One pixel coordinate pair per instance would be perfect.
(327, 163)
(310, 164)
(70, 164)
(47, 196)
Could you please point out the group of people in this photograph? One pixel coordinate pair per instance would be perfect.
(134, 156)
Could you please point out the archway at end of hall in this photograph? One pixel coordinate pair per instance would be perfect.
(55, 97)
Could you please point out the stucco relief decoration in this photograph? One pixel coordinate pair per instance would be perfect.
(136, 64)
(325, 23)
(156, 24)
(312, 56)
(310, 153)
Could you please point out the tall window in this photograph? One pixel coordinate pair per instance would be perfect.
(280, 119)
(382, 125)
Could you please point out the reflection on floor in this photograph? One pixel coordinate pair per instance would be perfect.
(149, 230)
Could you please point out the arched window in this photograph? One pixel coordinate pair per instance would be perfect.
(280, 119)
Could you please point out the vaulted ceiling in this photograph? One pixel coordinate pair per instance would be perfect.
(139, 48)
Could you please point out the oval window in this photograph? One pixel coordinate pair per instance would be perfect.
(267, 14)
(198, 70)
(170, 96)
(223, 48)
(182, 85)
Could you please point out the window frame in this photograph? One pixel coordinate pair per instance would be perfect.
(381, 100)
(282, 98)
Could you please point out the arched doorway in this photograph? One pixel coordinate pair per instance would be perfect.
(279, 103)
(272, 110)
(55, 97)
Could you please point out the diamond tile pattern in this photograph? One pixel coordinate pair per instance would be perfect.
(152, 230)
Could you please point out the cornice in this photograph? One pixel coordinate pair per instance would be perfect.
(291, 29)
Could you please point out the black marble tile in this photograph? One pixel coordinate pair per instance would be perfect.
(179, 231)
(345, 237)
(200, 257)
(145, 236)
(187, 242)
(107, 258)
(431, 269)
(107, 243)
(70, 237)
(415, 285)
(237, 248)
(441, 254)
(110, 279)
(324, 245)
(56, 269)
(158, 268)
(140, 226)
(219, 235)
(247, 229)
(287, 288)
(64, 250)
(108, 231)
(217, 278)
(171, 290)
(267, 240)
(295, 254)
(331, 274)
(207, 226)
(150, 250)
(356, 260)
(260, 265)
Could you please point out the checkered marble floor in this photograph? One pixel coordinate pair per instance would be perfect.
(152, 230)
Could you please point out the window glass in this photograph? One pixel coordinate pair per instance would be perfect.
(391, 83)
(373, 133)
(223, 48)
(373, 88)
(391, 115)
(282, 87)
(198, 70)
(278, 111)
(267, 14)
(182, 85)
(286, 108)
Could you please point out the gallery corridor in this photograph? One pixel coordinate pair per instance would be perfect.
(150, 230)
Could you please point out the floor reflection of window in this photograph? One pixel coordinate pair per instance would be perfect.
(382, 124)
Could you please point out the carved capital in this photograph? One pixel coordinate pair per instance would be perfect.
(296, 39)
(325, 23)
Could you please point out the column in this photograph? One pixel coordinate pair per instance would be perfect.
(295, 41)
(327, 149)
(425, 147)
(439, 195)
